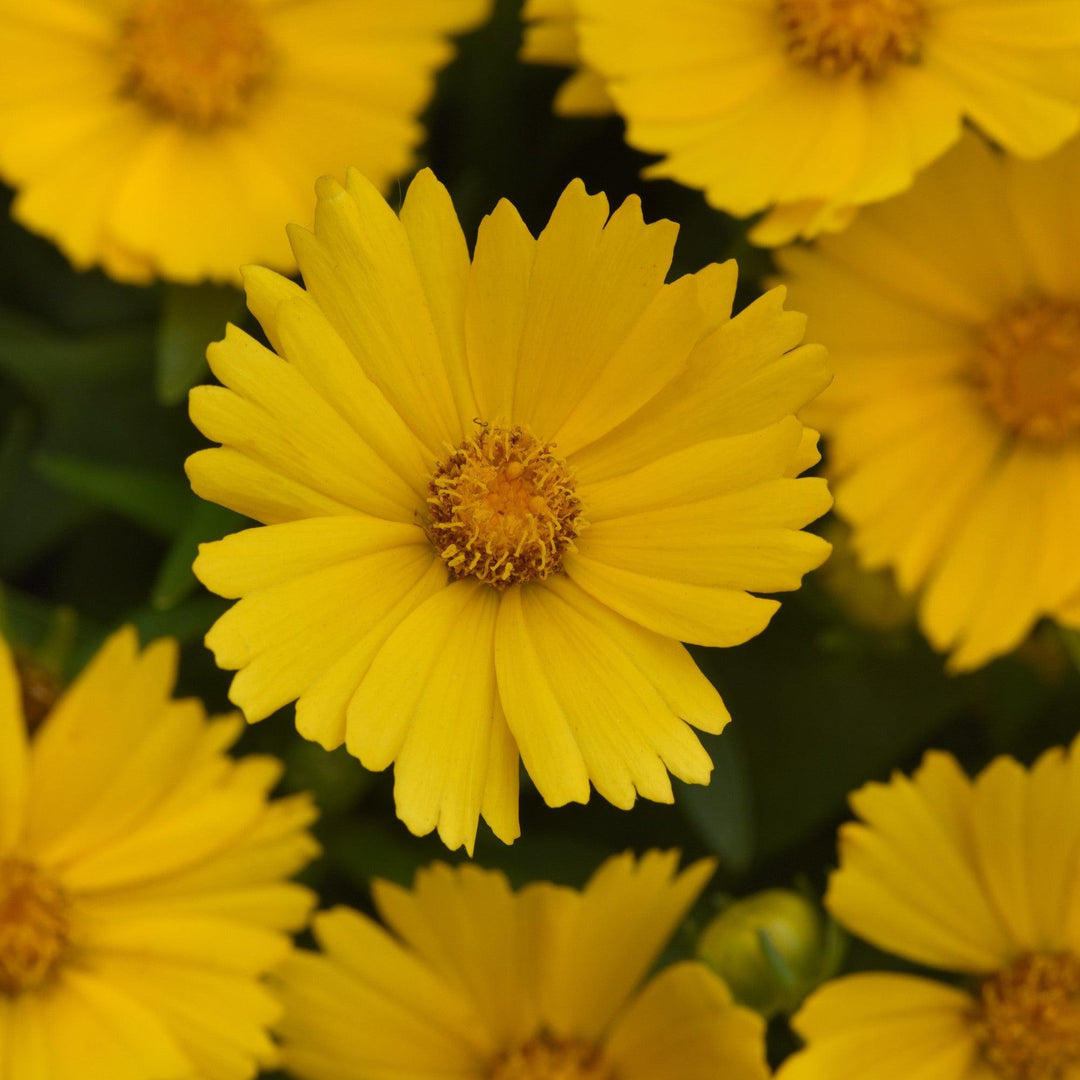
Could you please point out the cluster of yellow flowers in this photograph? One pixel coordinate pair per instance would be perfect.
(497, 489)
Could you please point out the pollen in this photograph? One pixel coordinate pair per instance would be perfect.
(1028, 1021)
(34, 926)
(197, 62)
(546, 1058)
(834, 37)
(502, 508)
(1026, 369)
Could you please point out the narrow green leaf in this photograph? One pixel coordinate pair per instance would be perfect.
(159, 502)
(175, 579)
(192, 316)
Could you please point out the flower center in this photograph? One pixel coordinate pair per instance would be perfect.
(195, 61)
(39, 687)
(1026, 368)
(34, 926)
(1028, 1021)
(545, 1058)
(503, 508)
(837, 36)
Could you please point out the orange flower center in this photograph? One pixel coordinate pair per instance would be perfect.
(34, 926)
(194, 61)
(1026, 368)
(1028, 1020)
(39, 687)
(867, 36)
(502, 508)
(545, 1058)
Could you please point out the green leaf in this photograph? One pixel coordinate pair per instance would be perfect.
(192, 316)
(722, 812)
(175, 579)
(157, 501)
(1072, 644)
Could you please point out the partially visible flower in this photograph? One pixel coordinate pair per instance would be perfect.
(132, 130)
(952, 315)
(816, 107)
(551, 38)
(143, 887)
(498, 493)
(472, 981)
(975, 877)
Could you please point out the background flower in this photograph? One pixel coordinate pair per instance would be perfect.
(143, 881)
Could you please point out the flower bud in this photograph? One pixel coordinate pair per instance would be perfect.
(771, 949)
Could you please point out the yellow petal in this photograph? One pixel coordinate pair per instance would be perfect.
(13, 751)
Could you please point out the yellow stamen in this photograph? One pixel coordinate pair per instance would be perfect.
(1028, 1020)
(502, 508)
(194, 61)
(546, 1058)
(34, 926)
(1026, 368)
(834, 37)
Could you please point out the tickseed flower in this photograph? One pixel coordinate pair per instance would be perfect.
(469, 979)
(815, 107)
(972, 877)
(130, 129)
(497, 495)
(954, 421)
(142, 881)
(550, 37)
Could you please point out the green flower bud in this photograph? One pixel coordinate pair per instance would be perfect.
(772, 949)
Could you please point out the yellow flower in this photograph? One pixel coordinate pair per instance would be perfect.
(974, 877)
(142, 881)
(953, 317)
(133, 129)
(550, 37)
(475, 982)
(815, 107)
(498, 494)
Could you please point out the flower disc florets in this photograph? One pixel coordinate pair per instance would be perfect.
(1029, 1018)
(837, 36)
(34, 926)
(546, 1058)
(502, 508)
(1027, 368)
(195, 61)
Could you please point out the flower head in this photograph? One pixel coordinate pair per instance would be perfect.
(129, 129)
(812, 108)
(497, 493)
(142, 880)
(975, 877)
(473, 980)
(954, 323)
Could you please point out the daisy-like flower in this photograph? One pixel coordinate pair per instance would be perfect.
(953, 318)
(551, 38)
(472, 981)
(143, 887)
(977, 878)
(815, 107)
(497, 495)
(130, 128)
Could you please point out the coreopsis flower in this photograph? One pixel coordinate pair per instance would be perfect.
(952, 315)
(471, 980)
(976, 878)
(132, 129)
(550, 37)
(812, 108)
(143, 887)
(498, 493)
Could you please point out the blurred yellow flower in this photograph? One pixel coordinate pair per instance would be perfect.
(142, 881)
(815, 107)
(953, 318)
(550, 37)
(476, 982)
(172, 138)
(978, 878)
(497, 494)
